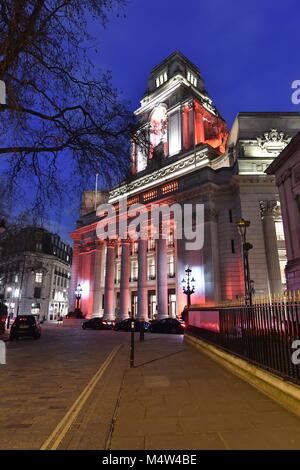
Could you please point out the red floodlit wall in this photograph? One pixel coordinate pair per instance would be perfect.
(206, 319)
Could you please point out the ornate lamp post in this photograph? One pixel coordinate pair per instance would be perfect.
(188, 286)
(78, 295)
(242, 226)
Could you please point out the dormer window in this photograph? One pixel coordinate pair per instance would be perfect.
(192, 78)
(161, 79)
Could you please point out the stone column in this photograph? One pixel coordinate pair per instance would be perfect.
(124, 283)
(97, 276)
(142, 306)
(161, 278)
(212, 284)
(74, 273)
(109, 281)
(268, 211)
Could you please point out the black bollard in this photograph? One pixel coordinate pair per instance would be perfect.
(142, 331)
(132, 328)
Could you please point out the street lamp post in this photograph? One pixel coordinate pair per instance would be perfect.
(242, 226)
(188, 286)
(78, 295)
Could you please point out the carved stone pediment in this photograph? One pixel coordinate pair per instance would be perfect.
(273, 141)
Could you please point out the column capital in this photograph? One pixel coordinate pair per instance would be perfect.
(269, 208)
(125, 241)
(98, 244)
(111, 243)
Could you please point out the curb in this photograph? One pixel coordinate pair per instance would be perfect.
(283, 392)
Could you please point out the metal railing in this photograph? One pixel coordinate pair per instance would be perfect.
(262, 334)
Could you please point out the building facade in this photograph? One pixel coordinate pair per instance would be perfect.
(286, 167)
(189, 157)
(35, 273)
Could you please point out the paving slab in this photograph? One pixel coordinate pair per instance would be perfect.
(178, 398)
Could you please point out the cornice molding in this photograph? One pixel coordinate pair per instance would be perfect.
(181, 167)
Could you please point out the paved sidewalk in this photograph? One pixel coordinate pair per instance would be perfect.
(177, 398)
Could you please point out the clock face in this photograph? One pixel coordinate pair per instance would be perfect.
(158, 128)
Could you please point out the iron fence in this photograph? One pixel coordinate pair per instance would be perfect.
(262, 334)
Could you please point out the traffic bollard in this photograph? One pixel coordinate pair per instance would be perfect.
(142, 331)
(132, 328)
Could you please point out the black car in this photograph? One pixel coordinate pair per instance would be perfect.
(167, 325)
(97, 323)
(25, 326)
(125, 325)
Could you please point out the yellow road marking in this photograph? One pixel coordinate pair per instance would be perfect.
(63, 427)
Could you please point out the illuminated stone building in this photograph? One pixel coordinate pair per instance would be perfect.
(192, 159)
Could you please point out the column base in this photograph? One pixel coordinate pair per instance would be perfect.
(122, 317)
(162, 316)
(292, 272)
(109, 317)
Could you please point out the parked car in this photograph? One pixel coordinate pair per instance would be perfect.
(125, 325)
(167, 325)
(97, 323)
(25, 325)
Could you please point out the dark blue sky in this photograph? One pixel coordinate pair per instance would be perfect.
(247, 51)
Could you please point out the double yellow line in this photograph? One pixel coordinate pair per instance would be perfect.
(54, 440)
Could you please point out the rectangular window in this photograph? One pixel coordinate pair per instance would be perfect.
(279, 230)
(37, 292)
(39, 278)
(171, 266)
(151, 244)
(161, 79)
(170, 239)
(151, 268)
(134, 270)
(118, 273)
(230, 216)
(192, 78)
(232, 247)
(174, 133)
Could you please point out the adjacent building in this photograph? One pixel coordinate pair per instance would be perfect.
(191, 158)
(286, 167)
(35, 273)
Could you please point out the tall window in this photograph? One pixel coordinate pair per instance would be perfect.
(39, 277)
(151, 244)
(118, 272)
(192, 78)
(279, 230)
(174, 133)
(141, 158)
(161, 79)
(134, 270)
(171, 266)
(282, 263)
(151, 268)
(171, 239)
